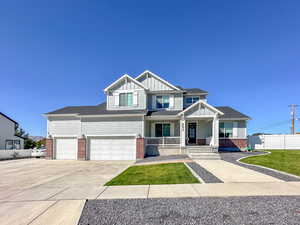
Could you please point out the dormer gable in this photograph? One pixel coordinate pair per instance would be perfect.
(125, 82)
(155, 83)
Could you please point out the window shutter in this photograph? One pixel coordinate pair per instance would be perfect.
(172, 129)
(235, 129)
(171, 99)
(135, 98)
(116, 98)
(152, 130)
(153, 102)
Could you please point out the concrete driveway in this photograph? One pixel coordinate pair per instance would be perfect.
(33, 191)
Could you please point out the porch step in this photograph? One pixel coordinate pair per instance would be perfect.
(205, 155)
(199, 149)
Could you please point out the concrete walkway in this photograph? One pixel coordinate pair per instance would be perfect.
(231, 173)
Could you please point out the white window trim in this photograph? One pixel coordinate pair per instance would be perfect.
(171, 104)
(192, 96)
(172, 128)
(126, 92)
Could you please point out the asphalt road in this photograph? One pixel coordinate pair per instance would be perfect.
(231, 210)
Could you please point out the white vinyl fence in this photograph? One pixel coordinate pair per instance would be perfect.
(15, 154)
(280, 141)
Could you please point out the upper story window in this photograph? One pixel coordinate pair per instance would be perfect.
(162, 102)
(126, 99)
(226, 129)
(191, 100)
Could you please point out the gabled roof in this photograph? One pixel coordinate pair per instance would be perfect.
(125, 76)
(92, 110)
(157, 77)
(8, 118)
(230, 113)
(205, 104)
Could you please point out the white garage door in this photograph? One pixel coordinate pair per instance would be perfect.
(113, 148)
(66, 148)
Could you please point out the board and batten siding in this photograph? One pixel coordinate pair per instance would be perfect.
(199, 111)
(153, 84)
(62, 126)
(113, 126)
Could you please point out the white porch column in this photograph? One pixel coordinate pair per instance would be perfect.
(215, 132)
(182, 132)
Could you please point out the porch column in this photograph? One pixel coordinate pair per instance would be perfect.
(182, 132)
(215, 132)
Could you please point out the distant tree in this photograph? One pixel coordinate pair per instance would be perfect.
(41, 143)
(19, 132)
(29, 143)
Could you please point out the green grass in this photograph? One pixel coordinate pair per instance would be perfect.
(171, 173)
(283, 160)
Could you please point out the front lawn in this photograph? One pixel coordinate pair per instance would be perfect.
(283, 160)
(171, 173)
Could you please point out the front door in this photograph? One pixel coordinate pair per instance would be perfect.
(192, 127)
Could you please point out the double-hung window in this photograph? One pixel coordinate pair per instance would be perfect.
(162, 130)
(191, 100)
(162, 101)
(226, 129)
(126, 99)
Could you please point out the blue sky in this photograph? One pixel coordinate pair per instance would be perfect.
(59, 53)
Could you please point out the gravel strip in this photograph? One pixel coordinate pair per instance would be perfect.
(205, 175)
(186, 211)
(162, 158)
(233, 156)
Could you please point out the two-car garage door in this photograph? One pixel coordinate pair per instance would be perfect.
(112, 148)
(104, 148)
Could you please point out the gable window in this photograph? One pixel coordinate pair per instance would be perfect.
(226, 129)
(162, 102)
(162, 130)
(191, 100)
(125, 99)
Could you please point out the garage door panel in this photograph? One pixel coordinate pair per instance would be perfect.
(66, 148)
(112, 148)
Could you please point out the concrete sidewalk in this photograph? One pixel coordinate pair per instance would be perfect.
(231, 173)
(202, 190)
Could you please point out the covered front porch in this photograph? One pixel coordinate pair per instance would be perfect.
(195, 126)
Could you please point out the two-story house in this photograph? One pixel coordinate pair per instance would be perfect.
(8, 140)
(144, 115)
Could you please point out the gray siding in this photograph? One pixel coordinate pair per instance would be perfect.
(154, 84)
(242, 129)
(199, 111)
(64, 126)
(125, 85)
(204, 129)
(113, 126)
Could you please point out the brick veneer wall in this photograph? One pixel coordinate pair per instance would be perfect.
(81, 153)
(140, 148)
(49, 148)
(233, 143)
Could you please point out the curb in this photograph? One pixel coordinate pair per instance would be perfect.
(263, 167)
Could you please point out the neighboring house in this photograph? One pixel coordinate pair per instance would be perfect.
(144, 115)
(8, 140)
